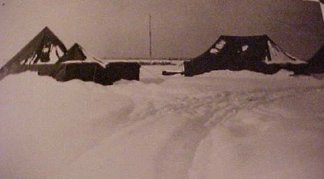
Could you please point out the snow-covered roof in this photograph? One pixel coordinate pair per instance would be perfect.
(77, 54)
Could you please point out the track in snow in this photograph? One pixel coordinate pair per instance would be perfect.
(175, 159)
(163, 136)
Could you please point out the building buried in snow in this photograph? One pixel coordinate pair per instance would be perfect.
(78, 64)
(47, 55)
(255, 53)
(39, 54)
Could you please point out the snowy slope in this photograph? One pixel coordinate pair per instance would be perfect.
(218, 125)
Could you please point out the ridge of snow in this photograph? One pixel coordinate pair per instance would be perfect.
(221, 124)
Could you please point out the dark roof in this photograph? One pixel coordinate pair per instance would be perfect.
(74, 53)
(45, 37)
(235, 43)
(258, 47)
(243, 38)
(255, 53)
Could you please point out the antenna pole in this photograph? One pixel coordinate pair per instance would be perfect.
(150, 34)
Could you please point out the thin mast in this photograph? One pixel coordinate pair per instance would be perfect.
(150, 34)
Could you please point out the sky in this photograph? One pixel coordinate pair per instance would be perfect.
(181, 28)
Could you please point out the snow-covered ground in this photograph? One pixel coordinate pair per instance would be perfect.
(216, 125)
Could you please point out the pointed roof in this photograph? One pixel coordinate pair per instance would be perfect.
(223, 43)
(45, 47)
(259, 47)
(77, 54)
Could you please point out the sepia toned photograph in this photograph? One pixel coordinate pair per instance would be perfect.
(161, 89)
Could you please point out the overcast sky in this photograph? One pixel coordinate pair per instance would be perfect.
(181, 28)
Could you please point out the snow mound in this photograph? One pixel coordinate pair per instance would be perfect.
(216, 125)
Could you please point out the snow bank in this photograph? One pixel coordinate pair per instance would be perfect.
(46, 124)
(283, 139)
(216, 125)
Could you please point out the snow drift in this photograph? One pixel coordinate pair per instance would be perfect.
(217, 125)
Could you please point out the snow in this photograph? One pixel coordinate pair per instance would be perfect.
(214, 51)
(54, 53)
(218, 46)
(45, 50)
(280, 57)
(30, 59)
(244, 48)
(89, 59)
(220, 124)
